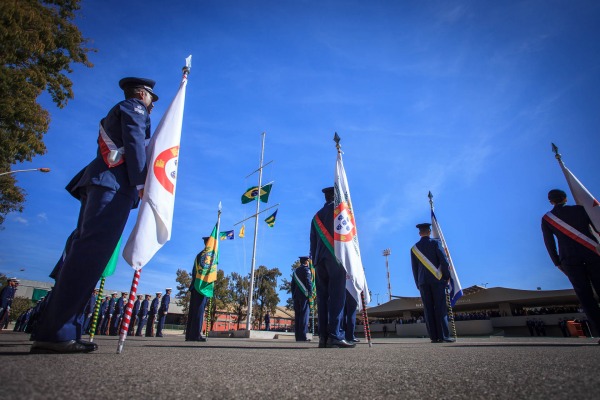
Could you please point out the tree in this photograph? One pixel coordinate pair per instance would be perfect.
(220, 300)
(38, 43)
(237, 295)
(19, 306)
(265, 295)
(184, 280)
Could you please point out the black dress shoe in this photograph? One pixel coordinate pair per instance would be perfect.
(71, 346)
(334, 343)
(355, 340)
(322, 343)
(449, 340)
(159, 336)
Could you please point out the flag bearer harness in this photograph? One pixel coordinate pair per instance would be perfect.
(571, 232)
(111, 154)
(428, 264)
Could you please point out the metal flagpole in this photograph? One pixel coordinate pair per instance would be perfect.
(97, 309)
(250, 294)
(127, 317)
(216, 251)
(448, 302)
(386, 253)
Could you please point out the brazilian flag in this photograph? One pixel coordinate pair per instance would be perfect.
(252, 193)
(205, 266)
(270, 220)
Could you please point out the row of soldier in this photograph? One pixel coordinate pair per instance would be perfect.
(145, 314)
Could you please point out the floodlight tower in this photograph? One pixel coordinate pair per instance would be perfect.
(386, 253)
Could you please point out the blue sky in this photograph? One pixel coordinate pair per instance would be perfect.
(458, 98)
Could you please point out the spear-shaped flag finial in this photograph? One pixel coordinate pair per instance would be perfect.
(556, 153)
(336, 139)
(430, 199)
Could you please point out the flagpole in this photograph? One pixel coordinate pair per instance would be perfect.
(209, 312)
(97, 309)
(367, 329)
(250, 292)
(127, 318)
(448, 302)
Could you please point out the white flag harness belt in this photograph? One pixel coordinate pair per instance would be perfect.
(111, 155)
(571, 232)
(428, 264)
(300, 284)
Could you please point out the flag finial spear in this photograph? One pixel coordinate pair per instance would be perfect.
(188, 66)
(336, 139)
(556, 153)
(430, 199)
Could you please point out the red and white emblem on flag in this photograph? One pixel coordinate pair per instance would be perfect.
(165, 168)
(344, 228)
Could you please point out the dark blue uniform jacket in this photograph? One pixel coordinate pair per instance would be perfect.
(433, 250)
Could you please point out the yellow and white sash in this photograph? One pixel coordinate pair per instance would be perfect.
(428, 264)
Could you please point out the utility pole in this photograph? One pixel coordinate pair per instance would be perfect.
(386, 253)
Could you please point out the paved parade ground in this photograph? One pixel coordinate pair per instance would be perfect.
(222, 368)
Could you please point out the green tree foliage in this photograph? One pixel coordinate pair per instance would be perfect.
(237, 296)
(184, 280)
(19, 306)
(265, 292)
(38, 43)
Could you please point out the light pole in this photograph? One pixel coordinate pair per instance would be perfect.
(386, 253)
(25, 170)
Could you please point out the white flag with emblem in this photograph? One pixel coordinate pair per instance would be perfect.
(583, 198)
(155, 218)
(455, 288)
(345, 237)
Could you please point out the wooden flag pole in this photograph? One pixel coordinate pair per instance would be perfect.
(448, 302)
(365, 319)
(97, 309)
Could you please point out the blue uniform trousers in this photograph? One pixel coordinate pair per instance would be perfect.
(150, 325)
(140, 325)
(195, 320)
(102, 218)
(331, 298)
(302, 312)
(161, 323)
(436, 311)
(583, 277)
(350, 317)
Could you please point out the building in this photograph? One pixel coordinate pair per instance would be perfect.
(483, 311)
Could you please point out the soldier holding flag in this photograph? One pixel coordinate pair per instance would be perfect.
(431, 273)
(577, 256)
(108, 188)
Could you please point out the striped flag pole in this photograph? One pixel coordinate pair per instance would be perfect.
(97, 310)
(208, 313)
(127, 316)
(365, 319)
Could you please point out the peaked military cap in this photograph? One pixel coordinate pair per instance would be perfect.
(303, 259)
(132, 82)
(556, 195)
(328, 190)
(167, 289)
(424, 226)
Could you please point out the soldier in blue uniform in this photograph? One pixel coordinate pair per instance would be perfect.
(108, 188)
(143, 315)
(193, 331)
(578, 251)
(102, 315)
(117, 316)
(431, 273)
(134, 315)
(152, 314)
(162, 312)
(331, 277)
(349, 323)
(301, 293)
(267, 321)
(108, 314)
(88, 311)
(6, 298)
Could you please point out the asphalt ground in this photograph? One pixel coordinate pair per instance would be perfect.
(393, 368)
